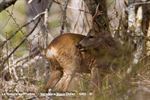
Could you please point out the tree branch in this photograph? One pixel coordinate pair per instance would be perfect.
(64, 17)
(21, 42)
(26, 24)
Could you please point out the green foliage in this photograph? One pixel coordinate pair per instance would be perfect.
(20, 7)
(3, 16)
(10, 21)
(54, 24)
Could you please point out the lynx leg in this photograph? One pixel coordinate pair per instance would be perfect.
(64, 82)
(96, 79)
(55, 76)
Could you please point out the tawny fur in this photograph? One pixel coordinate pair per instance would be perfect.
(66, 60)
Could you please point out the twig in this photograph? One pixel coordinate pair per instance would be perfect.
(11, 15)
(8, 39)
(21, 42)
(30, 1)
(97, 13)
(31, 56)
(24, 61)
(138, 3)
(72, 7)
(46, 13)
(64, 17)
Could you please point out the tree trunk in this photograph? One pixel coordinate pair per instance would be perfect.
(100, 18)
(39, 36)
(135, 20)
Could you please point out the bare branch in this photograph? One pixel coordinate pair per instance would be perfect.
(139, 3)
(13, 18)
(96, 12)
(8, 39)
(64, 17)
(71, 7)
(46, 13)
(21, 42)
(30, 1)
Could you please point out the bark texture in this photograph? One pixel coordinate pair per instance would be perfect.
(100, 18)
